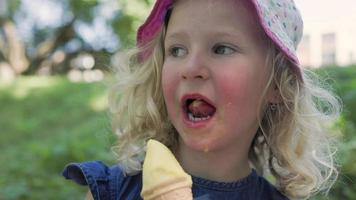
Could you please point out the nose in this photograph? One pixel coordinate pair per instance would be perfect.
(196, 67)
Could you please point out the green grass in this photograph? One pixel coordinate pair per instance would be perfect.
(46, 123)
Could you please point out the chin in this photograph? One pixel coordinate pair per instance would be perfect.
(197, 144)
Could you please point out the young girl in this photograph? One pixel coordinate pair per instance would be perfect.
(219, 83)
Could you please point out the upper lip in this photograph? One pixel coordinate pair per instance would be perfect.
(195, 96)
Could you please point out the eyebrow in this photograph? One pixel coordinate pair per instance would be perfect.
(226, 33)
(177, 34)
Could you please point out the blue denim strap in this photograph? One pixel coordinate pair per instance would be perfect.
(94, 174)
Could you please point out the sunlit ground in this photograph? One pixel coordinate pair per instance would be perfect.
(46, 123)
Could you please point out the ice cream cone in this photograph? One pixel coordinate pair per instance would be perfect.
(177, 194)
(162, 176)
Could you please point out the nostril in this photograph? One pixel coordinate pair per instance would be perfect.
(199, 77)
(190, 76)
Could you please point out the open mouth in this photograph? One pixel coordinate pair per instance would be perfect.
(198, 109)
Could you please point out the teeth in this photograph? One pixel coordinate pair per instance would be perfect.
(197, 119)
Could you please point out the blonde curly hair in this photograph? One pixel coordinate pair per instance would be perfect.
(292, 143)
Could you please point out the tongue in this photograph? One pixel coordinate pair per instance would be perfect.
(200, 108)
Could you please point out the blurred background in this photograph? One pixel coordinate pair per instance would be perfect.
(56, 60)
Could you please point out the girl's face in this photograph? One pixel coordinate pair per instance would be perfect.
(214, 73)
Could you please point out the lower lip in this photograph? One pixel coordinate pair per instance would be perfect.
(195, 124)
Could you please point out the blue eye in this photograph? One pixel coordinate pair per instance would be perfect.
(223, 50)
(177, 51)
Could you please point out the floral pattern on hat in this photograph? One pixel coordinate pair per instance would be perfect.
(283, 23)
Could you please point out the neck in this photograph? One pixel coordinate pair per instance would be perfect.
(221, 166)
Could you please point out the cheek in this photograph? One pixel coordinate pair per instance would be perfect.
(239, 96)
(169, 87)
(165, 83)
(232, 88)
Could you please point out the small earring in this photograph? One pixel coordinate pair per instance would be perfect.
(273, 106)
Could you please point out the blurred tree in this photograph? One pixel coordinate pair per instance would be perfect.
(12, 52)
(30, 45)
(343, 79)
(132, 14)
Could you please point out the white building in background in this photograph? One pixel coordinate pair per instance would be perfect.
(329, 40)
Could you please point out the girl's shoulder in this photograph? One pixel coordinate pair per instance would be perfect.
(105, 183)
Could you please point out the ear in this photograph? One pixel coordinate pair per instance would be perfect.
(273, 95)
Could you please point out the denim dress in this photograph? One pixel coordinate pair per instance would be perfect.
(109, 183)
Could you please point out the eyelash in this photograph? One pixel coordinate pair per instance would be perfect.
(219, 46)
(215, 49)
(174, 48)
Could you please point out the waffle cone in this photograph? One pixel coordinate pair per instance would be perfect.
(179, 188)
(162, 175)
(184, 193)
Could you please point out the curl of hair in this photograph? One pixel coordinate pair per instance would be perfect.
(137, 105)
(293, 142)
